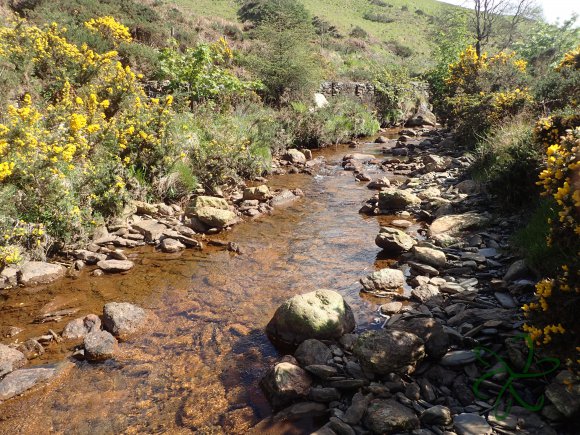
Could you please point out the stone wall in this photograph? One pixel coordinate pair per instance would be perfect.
(364, 92)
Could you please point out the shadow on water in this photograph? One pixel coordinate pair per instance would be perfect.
(198, 366)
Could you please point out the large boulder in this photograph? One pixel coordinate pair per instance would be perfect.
(216, 217)
(321, 314)
(39, 272)
(423, 116)
(430, 331)
(294, 156)
(10, 359)
(389, 416)
(394, 241)
(395, 199)
(384, 280)
(78, 328)
(386, 351)
(285, 383)
(123, 319)
(430, 256)
(564, 393)
(210, 201)
(445, 229)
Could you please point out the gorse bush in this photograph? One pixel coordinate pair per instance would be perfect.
(484, 91)
(553, 315)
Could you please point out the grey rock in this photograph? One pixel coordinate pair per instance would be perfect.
(88, 257)
(19, 381)
(434, 163)
(260, 193)
(322, 314)
(284, 383)
(437, 415)
(99, 346)
(389, 416)
(31, 349)
(82, 326)
(505, 300)
(391, 307)
(517, 270)
(301, 410)
(384, 279)
(430, 256)
(216, 217)
(294, 156)
(151, 229)
(394, 241)
(386, 351)
(340, 427)
(424, 293)
(10, 359)
(115, 266)
(283, 197)
(356, 410)
(40, 272)
(171, 245)
(471, 424)
(324, 395)
(431, 332)
(123, 319)
(312, 352)
(445, 229)
(564, 393)
(457, 358)
(322, 371)
(395, 199)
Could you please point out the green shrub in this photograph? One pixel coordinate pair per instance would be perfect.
(359, 32)
(399, 49)
(508, 159)
(378, 18)
(393, 89)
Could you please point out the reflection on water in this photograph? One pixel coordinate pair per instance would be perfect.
(198, 367)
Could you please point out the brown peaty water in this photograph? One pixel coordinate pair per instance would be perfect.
(198, 366)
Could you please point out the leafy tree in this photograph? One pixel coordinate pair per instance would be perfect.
(202, 73)
(285, 60)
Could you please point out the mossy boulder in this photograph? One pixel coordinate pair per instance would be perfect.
(321, 314)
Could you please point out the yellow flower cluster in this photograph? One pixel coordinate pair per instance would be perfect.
(570, 60)
(9, 255)
(508, 103)
(543, 335)
(109, 27)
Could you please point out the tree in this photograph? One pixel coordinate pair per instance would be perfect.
(489, 14)
(286, 61)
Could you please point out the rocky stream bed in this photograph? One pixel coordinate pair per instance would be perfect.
(165, 323)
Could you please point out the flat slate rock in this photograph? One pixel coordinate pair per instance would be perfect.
(471, 424)
(19, 381)
(39, 272)
(457, 358)
(114, 266)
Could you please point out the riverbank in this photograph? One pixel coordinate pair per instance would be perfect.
(200, 365)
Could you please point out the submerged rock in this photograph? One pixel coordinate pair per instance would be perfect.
(312, 352)
(19, 381)
(321, 314)
(115, 266)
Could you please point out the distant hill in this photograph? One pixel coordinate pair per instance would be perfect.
(401, 27)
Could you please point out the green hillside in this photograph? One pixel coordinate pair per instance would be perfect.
(412, 22)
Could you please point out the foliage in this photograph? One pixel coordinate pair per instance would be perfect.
(332, 124)
(109, 28)
(393, 88)
(378, 18)
(484, 91)
(202, 73)
(508, 159)
(359, 32)
(288, 14)
(558, 297)
(284, 60)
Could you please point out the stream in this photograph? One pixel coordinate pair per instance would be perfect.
(198, 366)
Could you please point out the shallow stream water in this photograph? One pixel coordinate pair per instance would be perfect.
(198, 366)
